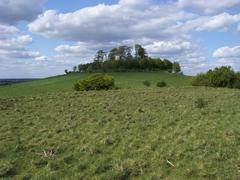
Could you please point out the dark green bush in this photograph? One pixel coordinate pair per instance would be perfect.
(237, 81)
(146, 83)
(200, 103)
(161, 84)
(200, 80)
(7, 169)
(219, 77)
(95, 82)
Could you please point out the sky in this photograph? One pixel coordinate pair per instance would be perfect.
(41, 38)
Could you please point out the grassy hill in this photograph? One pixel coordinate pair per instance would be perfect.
(127, 80)
(178, 132)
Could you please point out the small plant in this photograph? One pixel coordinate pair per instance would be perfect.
(146, 83)
(200, 103)
(7, 169)
(77, 87)
(95, 82)
(161, 84)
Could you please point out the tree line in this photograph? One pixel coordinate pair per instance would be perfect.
(121, 59)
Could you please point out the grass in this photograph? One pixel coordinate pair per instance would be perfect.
(127, 80)
(131, 133)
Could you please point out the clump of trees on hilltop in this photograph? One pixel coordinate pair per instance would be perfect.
(121, 59)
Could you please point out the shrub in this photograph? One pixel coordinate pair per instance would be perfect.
(237, 81)
(161, 84)
(95, 82)
(200, 103)
(146, 83)
(77, 87)
(219, 77)
(200, 80)
(7, 169)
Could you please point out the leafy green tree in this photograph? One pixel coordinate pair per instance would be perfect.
(140, 52)
(113, 54)
(168, 65)
(75, 69)
(100, 55)
(176, 67)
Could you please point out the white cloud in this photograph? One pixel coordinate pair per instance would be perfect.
(209, 6)
(228, 56)
(134, 3)
(227, 52)
(12, 49)
(220, 22)
(12, 11)
(168, 47)
(109, 23)
(6, 30)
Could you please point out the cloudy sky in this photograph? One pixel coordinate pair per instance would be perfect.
(40, 38)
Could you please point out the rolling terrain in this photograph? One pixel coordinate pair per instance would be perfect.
(48, 131)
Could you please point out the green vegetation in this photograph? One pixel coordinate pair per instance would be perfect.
(95, 82)
(50, 131)
(219, 77)
(147, 83)
(140, 134)
(161, 84)
(124, 80)
(120, 59)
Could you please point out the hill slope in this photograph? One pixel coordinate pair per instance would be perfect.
(178, 132)
(65, 83)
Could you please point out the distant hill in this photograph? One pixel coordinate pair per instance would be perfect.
(13, 81)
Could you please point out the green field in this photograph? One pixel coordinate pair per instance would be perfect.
(127, 80)
(48, 131)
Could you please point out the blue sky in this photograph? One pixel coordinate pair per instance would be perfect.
(41, 38)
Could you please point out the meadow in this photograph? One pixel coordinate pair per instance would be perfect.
(48, 131)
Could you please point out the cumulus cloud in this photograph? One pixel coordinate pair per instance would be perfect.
(6, 30)
(12, 11)
(168, 47)
(228, 56)
(227, 52)
(12, 49)
(108, 22)
(220, 22)
(209, 6)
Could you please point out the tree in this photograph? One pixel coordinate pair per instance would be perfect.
(66, 71)
(168, 65)
(75, 69)
(113, 54)
(140, 52)
(176, 67)
(100, 56)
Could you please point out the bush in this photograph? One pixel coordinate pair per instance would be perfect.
(200, 103)
(237, 81)
(200, 80)
(146, 83)
(161, 84)
(219, 77)
(7, 169)
(95, 82)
